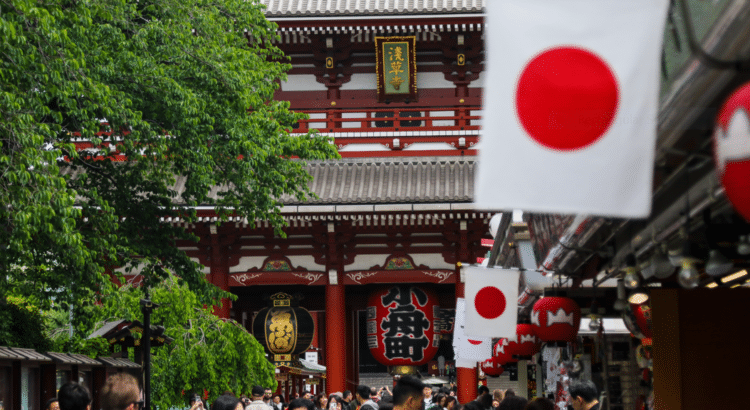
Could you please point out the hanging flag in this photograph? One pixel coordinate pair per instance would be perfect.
(468, 350)
(571, 102)
(491, 302)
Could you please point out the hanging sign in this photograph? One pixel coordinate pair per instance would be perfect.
(445, 321)
(396, 68)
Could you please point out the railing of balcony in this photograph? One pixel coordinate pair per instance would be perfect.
(370, 120)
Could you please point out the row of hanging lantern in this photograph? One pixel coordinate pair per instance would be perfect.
(554, 320)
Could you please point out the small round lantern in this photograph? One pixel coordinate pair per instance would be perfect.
(503, 351)
(732, 149)
(528, 344)
(556, 319)
(401, 326)
(284, 328)
(492, 367)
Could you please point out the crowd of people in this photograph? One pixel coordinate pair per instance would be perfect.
(583, 397)
(121, 392)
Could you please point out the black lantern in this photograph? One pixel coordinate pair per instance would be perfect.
(284, 329)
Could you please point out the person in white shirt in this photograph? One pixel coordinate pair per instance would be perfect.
(258, 404)
(427, 392)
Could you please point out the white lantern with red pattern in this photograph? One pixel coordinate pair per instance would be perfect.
(556, 319)
(732, 149)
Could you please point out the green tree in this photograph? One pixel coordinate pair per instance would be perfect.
(22, 325)
(179, 89)
(208, 353)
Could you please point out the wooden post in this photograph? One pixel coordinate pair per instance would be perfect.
(335, 349)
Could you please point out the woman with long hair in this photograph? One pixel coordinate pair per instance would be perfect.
(437, 402)
(320, 401)
(334, 402)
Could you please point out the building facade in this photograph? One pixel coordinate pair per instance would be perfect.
(398, 88)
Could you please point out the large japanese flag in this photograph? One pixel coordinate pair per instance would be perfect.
(570, 109)
(468, 350)
(491, 302)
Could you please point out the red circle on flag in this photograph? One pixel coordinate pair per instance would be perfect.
(475, 342)
(566, 98)
(489, 302)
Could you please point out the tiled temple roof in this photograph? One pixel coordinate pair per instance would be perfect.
(324, 8)
(360, 181)
(373, 181)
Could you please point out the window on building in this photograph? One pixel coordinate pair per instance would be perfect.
(401, 123)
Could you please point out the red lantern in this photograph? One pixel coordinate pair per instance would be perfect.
(527, 342)
(401, 326)
(732, 149)
(643, 318)
(492, 367)
(503, 351)
(556, 319)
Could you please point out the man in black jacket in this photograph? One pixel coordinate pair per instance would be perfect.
(346, 401)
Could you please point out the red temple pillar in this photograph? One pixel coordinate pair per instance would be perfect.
(466, 378)
(220, 272)
(335, 332)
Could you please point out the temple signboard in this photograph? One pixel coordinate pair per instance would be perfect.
(396, 68)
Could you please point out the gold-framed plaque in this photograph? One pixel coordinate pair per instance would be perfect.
(396, 68)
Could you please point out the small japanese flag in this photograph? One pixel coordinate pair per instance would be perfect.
(571, 103)
(468, 350)
(491, 302)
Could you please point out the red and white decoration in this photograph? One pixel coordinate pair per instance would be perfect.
(401, 326)
(491, 302)
(492, 367)
(468, 349)
(732, 149)
(572, 88)
(504, 350)
(528, 344)
(556, 319)
(642, 315)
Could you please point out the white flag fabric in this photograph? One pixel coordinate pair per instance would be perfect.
(571, 97)
(491, 302)
(468, 350)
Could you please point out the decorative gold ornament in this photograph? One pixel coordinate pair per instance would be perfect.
(403, 370)
(281, 336)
